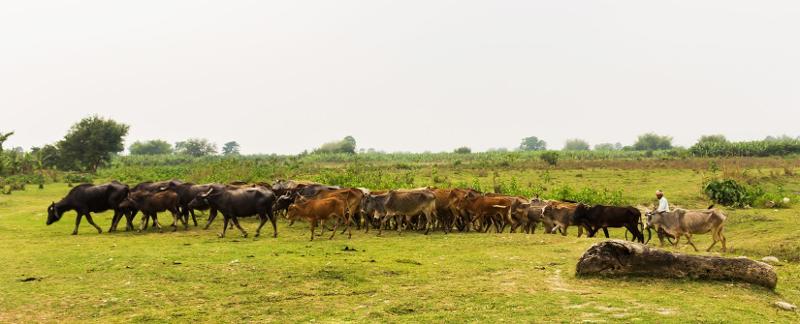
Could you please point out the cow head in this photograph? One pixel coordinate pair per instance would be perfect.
(581, 215)
(201, 200)
(53, 214)
(653, 218)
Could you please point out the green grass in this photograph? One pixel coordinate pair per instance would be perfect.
(191, 276)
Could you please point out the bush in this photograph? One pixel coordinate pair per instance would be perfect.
(551, 157)
(463, 150)
(730, 193)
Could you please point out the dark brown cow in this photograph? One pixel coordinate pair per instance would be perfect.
(151, 203)
(599, 217)
(320, 210)
(445, 209)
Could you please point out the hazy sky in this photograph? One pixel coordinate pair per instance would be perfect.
(284, 76)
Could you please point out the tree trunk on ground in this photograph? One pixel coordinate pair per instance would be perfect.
(622, 258)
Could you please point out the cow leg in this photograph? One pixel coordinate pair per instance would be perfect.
(174, 221)
(335, 224)
(689, 239)
(114, 220)
(77, 223)
(143, 222)
(236, 223)
(129, 221)
(722, 238)
(211, 216)
(91, 221)
(313, 227)
(605, 231)
(194, 217)
(262, 217)
(273, 220)
(154, 216)
(225, 221)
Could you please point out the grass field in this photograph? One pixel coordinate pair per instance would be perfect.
(191, 276)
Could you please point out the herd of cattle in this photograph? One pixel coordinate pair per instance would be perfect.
(420, 209)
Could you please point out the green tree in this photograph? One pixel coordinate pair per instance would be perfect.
(608, 147)
(92, 141)
(652, 142)
(152, 147)
(712, 139)
(230, 148)
(532, 143)
(463, 150)
(346, 145)
(576, 145)
(196, 147)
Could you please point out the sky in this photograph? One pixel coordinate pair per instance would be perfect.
(286, 76)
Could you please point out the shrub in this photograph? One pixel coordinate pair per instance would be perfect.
(730, 193)
(551, 157)
(463, 150)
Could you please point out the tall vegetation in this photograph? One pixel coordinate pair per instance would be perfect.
(608, 147)
(576, 145)
(532, 143)
(652, 142)
(152, 147)
(196, 147)
(767, 147)
(345, 145)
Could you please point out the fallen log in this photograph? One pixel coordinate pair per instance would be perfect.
(622, 258)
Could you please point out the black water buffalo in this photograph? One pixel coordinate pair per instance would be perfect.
(86, 199)
(599, 217)
(240, 202)
(186, 193)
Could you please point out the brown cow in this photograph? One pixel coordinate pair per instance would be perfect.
(319, 210)
(151, 203)
(462, 217)
(352, 196)
(486, 210)
(409, 203)
(445, 208)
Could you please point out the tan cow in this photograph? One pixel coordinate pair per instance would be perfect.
(318, 211)
(557, 216)
(682, 222)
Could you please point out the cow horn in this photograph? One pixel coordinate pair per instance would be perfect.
(498, 206)
(208, 193)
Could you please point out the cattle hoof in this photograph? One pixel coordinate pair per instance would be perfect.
(244, 235)
(220, 235)
(74, 233)
(257, 235)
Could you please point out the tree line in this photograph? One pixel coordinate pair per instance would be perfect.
(92, 142)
